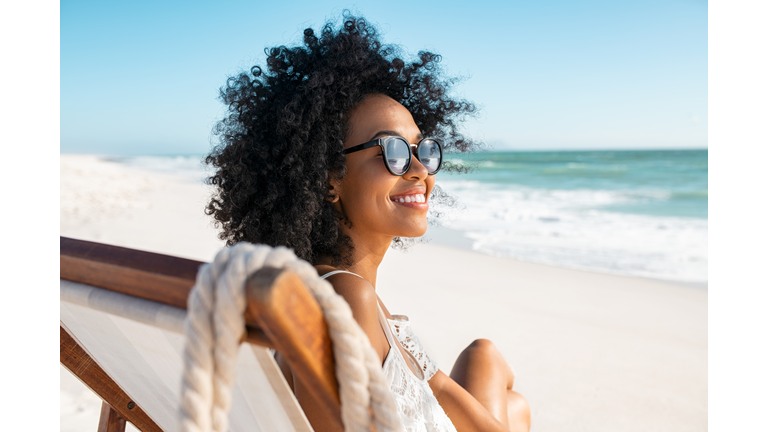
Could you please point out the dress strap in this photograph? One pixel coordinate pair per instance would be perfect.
(385, 327)
(329, 274)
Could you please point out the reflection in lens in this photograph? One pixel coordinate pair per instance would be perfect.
(429, 155)
(398, 155)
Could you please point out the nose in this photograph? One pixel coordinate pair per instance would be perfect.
(416, 171)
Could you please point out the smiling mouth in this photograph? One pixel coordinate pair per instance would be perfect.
(415, 198)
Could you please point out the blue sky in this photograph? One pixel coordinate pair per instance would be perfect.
(143, 77)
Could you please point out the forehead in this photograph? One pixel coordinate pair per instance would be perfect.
(378, 113)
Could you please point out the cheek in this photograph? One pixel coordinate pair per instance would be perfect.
(366, 191)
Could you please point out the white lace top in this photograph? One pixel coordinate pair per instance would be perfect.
(418, 408)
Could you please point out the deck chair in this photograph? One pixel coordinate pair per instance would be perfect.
(121, 319)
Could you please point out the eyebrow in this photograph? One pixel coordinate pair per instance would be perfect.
(391, 132)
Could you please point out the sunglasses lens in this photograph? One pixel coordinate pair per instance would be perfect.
(430, 155)
(398, 155)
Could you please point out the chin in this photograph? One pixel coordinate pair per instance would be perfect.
(413, 232)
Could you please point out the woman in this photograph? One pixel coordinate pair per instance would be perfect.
(315, 154)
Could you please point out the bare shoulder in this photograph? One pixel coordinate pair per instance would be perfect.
(356, 291)
(363, 301)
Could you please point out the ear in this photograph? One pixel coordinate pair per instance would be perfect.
(334, 189)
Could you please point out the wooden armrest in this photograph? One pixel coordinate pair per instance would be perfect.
(281, 312)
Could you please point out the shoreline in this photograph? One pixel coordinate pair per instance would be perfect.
(440, 235)
(444, 236)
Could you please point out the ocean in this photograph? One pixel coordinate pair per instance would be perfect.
(639, 213)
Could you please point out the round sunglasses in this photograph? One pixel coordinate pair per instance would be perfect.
(397, 153)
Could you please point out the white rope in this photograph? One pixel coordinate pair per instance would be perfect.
(215, 326)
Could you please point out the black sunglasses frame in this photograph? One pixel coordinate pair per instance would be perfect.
(380, 142)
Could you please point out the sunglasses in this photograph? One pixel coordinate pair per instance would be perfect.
(397, 153)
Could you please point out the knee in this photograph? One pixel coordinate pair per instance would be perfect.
(483, 351)
(483, 347)
(518, 412)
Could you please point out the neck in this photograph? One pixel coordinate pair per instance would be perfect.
(367, 255)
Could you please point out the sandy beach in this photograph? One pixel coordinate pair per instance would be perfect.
(592, 352)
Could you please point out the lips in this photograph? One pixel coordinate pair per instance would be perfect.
(416, 195)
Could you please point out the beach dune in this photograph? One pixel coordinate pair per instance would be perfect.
(592, 352)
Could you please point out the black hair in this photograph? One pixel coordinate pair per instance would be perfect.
(282, 137)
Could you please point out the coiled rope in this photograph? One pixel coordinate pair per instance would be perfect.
(215, 326)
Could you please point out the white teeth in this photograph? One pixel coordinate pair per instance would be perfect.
(420, 198)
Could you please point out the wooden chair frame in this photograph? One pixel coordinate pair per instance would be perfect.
(281, 314)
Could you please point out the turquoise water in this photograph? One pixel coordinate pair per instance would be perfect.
(640, 213)
(652, 182)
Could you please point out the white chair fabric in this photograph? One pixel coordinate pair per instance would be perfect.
(139, 344)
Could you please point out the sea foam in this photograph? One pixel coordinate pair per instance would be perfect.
(577, 229)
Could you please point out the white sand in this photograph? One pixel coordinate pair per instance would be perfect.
(592, 352)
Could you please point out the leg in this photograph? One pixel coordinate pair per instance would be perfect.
(110, 420)
(519, 412)
(483, 372)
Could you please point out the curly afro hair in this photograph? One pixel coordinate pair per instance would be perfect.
(282, 137)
